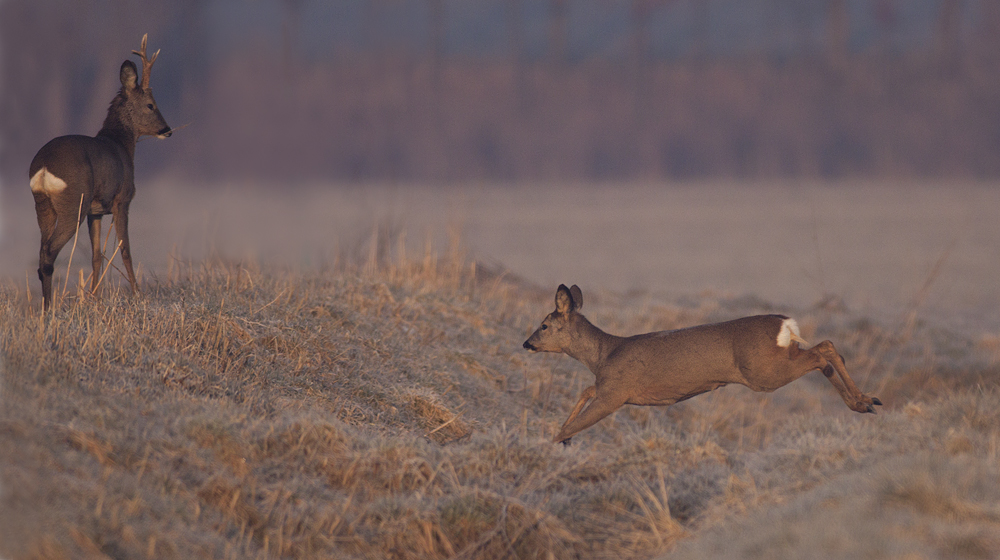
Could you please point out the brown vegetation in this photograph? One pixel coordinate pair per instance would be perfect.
(386, 410)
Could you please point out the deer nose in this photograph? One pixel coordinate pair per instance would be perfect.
(527, 345)
(165, 132)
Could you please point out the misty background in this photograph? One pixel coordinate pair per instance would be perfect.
(520, 90)
(799, 151)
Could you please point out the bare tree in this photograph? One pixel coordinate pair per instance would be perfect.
(838, 32)
(515, 40)
(436, 33)
(948, 37)
(290, 34)
(702, 27)
(558, 16)
(886, 20)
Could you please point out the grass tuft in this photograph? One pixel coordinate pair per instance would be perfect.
(385, 409)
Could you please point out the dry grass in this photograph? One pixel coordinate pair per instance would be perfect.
(385, 409)
(934, 497)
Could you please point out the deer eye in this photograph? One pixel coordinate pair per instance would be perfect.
(544, 326)
(149, 106)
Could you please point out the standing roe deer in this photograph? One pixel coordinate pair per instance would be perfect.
(662, 368)
(76, 176)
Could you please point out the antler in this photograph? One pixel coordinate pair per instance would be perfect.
(147, 63)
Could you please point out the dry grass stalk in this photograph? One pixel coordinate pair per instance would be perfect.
(106, 267)
(76, 235)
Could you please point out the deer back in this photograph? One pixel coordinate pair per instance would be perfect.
(101, 168)
(70, 166)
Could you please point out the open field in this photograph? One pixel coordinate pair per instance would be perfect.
(354, 395)
(873, 245)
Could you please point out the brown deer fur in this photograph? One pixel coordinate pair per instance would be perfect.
(662, 368)
(73, 177)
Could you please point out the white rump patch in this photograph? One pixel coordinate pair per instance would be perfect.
(46, 182)
(789, 331)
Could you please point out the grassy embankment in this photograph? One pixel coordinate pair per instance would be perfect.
(387, 410)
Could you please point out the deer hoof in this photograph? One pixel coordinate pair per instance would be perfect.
(875, 401)
(870, 409)
(567, 442)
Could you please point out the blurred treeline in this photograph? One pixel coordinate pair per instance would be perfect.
(518, 90)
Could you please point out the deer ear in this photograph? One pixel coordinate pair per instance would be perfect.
(129, 75)
(577, 294)
(564, 300)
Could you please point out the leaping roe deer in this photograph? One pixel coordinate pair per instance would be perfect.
(662, 368)
(76, 176)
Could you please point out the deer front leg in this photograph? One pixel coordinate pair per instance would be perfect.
(585, 396)
(121, 230)
(601, 406)
(94, 226)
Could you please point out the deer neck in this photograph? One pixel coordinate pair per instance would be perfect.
(592, 346)
(116, 129)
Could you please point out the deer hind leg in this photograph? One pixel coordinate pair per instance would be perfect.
(599, 407)
(836, 371)
(56, 230)
(94, 225)
(47, 221)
